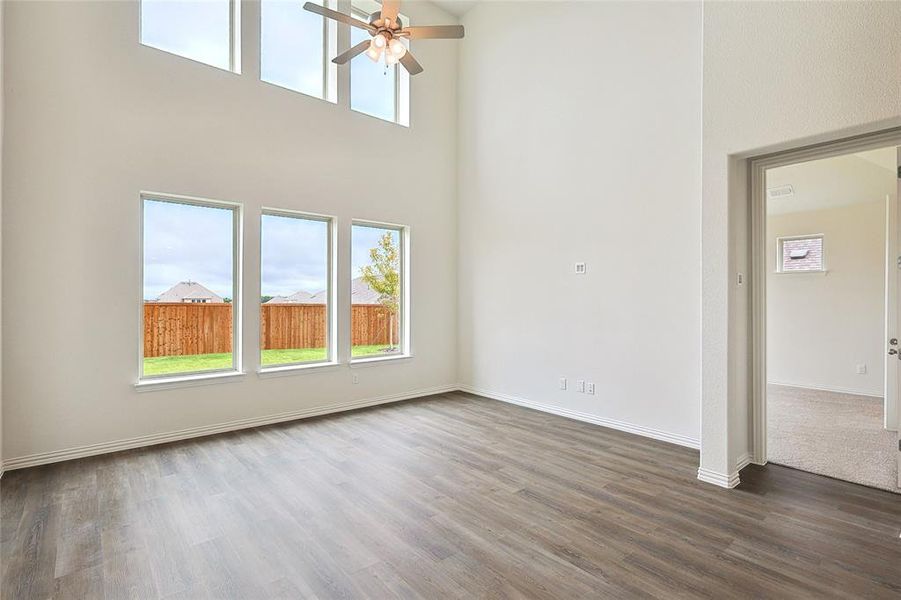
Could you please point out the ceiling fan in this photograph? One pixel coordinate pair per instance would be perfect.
(387, 31)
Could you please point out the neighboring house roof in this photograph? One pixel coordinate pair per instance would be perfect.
(360, 293)
(295, 298)
(189, 290)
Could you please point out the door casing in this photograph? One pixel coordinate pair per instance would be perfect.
(757, 183)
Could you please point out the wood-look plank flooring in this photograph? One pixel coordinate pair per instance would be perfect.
(452, 496)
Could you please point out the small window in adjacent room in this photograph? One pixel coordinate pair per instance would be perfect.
(190, 295)
(295, 306)
(205, 31)
(296, 48)
(377, 294)
(377, 89)
(800, 253)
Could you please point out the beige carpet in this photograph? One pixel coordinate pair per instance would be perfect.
(838, 435)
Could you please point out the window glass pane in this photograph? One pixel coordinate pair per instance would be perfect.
(196, 29)
(372, 85)
(294, 287)
(292, 47)
(188, 288)
(376, 294)
(802, 254)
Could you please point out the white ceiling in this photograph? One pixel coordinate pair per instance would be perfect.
(833, 182)
(455, 7)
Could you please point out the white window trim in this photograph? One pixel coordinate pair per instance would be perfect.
(401, 115)
(237, 299)
(329, 51)
(404, 318)
(234, 38)
(331, 292)
(789, 238)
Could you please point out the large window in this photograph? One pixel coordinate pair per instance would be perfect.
(297, 47)
(378, 291)
(202, 30)
(190, 291)
(295, 309)
(377, 89)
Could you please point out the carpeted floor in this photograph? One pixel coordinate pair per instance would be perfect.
(838, 435)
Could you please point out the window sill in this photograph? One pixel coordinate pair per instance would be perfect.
(811, 271)
(167, 383)
(283, 370)
(359, 363)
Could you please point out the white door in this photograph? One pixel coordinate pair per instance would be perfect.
(893, 312)
(892, 321)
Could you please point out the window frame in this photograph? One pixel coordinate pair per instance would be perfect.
(401, 77)
(237, 293)
(234, 38)
(331, 357)
(329, 51)
(404, 311)
(780, 244)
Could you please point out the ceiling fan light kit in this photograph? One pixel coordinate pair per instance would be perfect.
(387, 31)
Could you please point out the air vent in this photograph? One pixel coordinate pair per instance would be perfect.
(782, 191)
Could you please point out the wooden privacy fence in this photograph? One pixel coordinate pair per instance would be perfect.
(176, 329)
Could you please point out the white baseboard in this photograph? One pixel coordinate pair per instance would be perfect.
(43, 458)
(656, 434)
(821, 388)
(723, 481)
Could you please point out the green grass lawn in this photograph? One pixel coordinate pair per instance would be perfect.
(171, 365)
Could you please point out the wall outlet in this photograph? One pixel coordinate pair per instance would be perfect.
(563, 383)
(589, 387)
(861, 369)
(355, 378)
(580, 268)
(580, 386)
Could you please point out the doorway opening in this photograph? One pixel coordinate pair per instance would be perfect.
(826, 250)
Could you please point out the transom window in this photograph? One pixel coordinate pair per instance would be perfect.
(205, 31)
(296, 48)
(800, 253)
(376, 89)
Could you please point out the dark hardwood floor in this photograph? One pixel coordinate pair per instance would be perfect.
(450, 496)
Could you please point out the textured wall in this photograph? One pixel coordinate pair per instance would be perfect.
(776, 75)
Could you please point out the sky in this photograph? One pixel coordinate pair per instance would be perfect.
(363, 239)
(186, 242)
(291, 47)
(182, 242)
(294, 255)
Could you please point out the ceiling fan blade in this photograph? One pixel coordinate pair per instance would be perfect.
(389, 11)
(410, 64)
(433, 32)
(349, 54)
(341, 17)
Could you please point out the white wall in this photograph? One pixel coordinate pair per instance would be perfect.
(2, 11)
(776, 75)
(821, 326)
(587, 150)
(94, 117)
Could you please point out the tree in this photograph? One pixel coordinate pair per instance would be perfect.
(382, 275)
